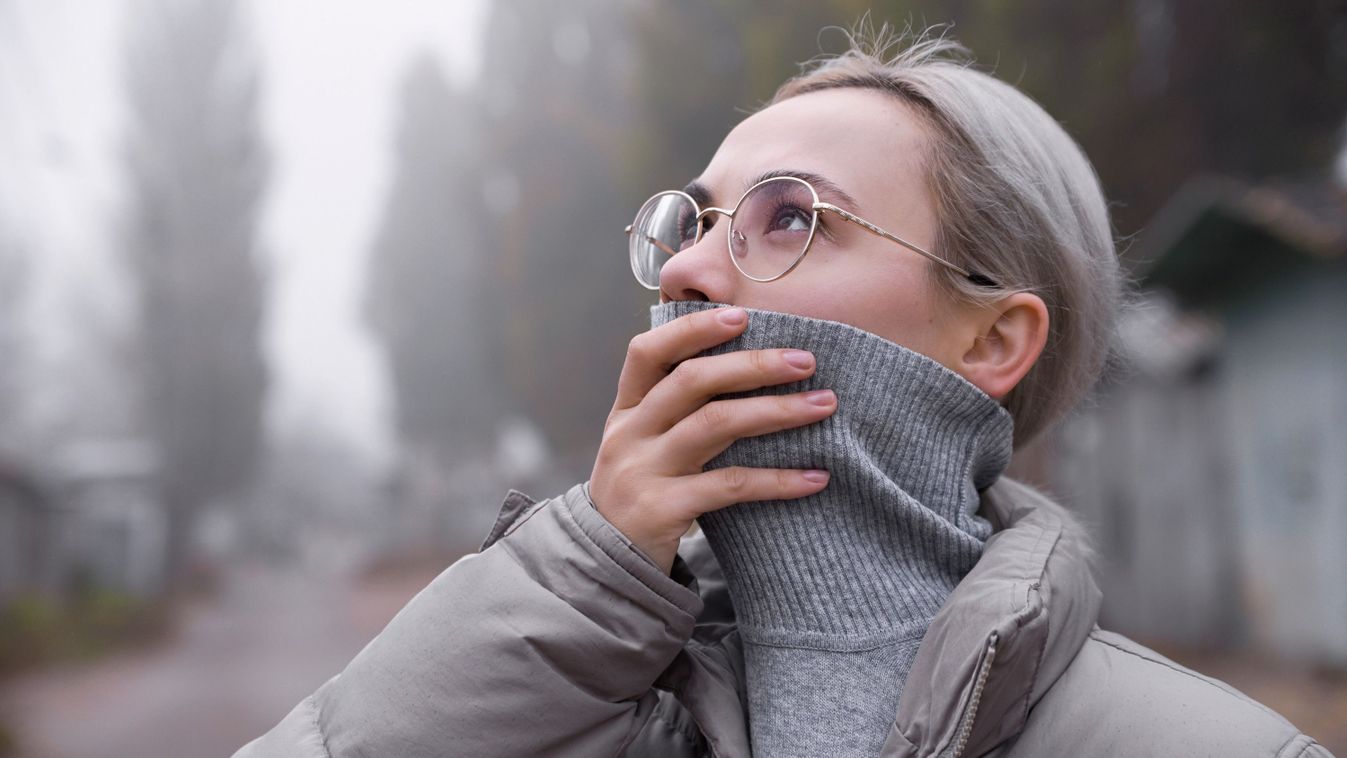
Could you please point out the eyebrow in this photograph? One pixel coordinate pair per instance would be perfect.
(827, 189)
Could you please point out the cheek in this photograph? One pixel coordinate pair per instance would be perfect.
(897, 317)
(898, 306)
(885, 294)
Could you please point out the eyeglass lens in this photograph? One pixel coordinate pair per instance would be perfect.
(771, 228)
(664, 226)
(769, 232)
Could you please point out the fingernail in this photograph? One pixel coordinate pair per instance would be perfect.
(799, 358)
(819, 397)
(817, 476)
(733, 316)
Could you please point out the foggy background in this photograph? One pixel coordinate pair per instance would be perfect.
(292, 293)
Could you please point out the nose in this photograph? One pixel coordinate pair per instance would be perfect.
(702, 271)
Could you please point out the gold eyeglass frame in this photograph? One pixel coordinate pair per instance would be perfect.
(817, 206)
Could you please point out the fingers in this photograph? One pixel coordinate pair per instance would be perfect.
(697, 380)
(651, 355)
(715, 426)
(647, 477)
(713, 490)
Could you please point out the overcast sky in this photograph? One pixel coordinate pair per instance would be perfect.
(330, 73)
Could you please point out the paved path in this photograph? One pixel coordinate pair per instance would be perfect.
(236, 666)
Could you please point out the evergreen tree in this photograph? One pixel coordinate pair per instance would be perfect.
(197, 168)
(13, 280)
(552, 87)
(429, 297)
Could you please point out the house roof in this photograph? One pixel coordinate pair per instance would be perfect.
(1220, 237)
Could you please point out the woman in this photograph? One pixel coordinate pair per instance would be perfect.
(883, 282)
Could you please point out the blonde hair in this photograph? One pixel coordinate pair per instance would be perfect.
(1016, 200)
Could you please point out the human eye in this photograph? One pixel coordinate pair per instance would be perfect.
(687, 228)
(788, 217)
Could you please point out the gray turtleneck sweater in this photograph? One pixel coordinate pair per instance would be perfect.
(834, 591)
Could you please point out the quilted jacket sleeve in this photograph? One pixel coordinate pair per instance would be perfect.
(547, 642)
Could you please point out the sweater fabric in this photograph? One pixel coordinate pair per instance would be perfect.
(833, 592)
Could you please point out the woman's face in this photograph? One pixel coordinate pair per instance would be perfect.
(870, 148)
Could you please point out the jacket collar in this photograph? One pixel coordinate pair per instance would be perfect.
(1005, 634)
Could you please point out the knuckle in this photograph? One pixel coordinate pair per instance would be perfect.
(614, 427)
(736, 480)
(758, 360)
(714, 416)
(638, 349)
(687, 374)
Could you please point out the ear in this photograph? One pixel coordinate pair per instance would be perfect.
(1009, 338)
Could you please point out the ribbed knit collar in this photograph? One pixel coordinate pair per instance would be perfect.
(875, 554)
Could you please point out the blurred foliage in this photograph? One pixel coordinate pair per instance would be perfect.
(701, 66)
(1158, 91)
(584, 109)
(38, 630)
(1154, 91)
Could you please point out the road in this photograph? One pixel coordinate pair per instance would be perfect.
(236, 665)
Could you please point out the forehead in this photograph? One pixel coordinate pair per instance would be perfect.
(867, 142)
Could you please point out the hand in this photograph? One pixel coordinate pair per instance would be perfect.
(648, 479)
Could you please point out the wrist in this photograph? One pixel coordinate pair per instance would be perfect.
(660, 555)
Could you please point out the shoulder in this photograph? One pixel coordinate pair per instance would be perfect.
(1120, 697)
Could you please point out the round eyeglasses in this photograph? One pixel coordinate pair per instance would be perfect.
(770, 229)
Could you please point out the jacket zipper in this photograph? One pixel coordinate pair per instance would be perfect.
(966, 723)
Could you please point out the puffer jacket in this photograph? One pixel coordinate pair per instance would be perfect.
(560, 638)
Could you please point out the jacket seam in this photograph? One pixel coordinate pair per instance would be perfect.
(1194, 675)
(318, 729)
(685, 731)
(1037, 587)
(1038, 660)
(1304, 749)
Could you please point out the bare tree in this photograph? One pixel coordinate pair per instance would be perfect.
(197, 168)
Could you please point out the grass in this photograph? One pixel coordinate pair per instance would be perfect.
(38, 630)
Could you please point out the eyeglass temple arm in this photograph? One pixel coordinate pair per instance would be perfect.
(663, 247)
(869, 227)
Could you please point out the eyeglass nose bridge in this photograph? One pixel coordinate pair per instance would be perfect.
(726, 212)
(703, 213)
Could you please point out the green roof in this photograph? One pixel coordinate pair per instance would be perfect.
(1219, 239)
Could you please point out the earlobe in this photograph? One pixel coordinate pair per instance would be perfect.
(1010, 339)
